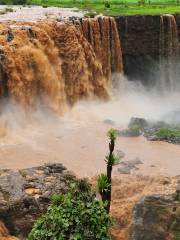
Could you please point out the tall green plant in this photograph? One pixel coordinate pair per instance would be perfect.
(105, 180)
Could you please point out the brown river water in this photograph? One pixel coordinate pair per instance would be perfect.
(78, 139)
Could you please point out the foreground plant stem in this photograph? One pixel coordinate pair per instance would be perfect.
(105, 181)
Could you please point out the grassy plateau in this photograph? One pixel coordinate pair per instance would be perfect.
(116, 7)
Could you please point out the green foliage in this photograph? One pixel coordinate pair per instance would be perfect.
(168, 133)
(107, 4)
(15, 2)
(104, 180)
(76, 215)
(112, 134)
(117, 7)
(103, 184)
(112, 159)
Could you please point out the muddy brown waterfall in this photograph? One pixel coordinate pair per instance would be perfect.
(169, 53)
(103, 35)
(58, 63)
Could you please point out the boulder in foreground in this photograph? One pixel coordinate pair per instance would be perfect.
(26, 194)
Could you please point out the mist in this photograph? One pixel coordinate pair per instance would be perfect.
(127, 99)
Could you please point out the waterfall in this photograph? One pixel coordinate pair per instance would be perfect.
(169, 54)
(58, 63)
(103, 36)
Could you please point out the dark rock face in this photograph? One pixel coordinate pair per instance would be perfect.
(155, 217)
(25, 195)
(140, 46)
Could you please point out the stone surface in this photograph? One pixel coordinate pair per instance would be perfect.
(127, 166)
(140, 40)
(4, 234)
(25, 194)
(140, 122)
(156, 217)
(140, 46)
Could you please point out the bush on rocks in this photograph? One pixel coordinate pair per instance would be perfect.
(77, 215)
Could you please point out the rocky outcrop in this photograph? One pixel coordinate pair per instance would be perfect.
(25, 195)
(156, 217)
(140, 46)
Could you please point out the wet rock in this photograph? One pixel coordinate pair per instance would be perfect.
(152, 137)
(109, 122)
(130, 132)
(9, 36)
(120, 154)
(141, 123)
(136, 127)
(153, 131)
(127, 166)
(26, 194)
(155, 218)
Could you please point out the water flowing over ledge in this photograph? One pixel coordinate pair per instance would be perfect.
(54, 61)
(60, 63)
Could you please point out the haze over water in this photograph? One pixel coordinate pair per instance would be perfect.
(78, 138)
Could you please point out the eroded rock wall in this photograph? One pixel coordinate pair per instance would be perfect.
(141, 41)
(140, 46)
(156, 217)
(25, 195)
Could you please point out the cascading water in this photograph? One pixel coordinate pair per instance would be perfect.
(61, 63)
(53, 61)
(103, 36)
(169, 54)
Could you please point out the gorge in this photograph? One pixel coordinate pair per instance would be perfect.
(63, 82)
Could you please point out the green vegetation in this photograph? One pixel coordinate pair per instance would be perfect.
(77, 215)
(177, 236)
(104, 180)
(168, 134)
(116, 7)
(109, 7)
(15, 2)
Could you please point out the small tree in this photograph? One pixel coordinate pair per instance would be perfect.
(104, 180)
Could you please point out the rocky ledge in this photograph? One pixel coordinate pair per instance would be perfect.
(25, 195)
(156, 217)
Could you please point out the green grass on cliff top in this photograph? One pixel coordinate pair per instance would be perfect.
(117, 7)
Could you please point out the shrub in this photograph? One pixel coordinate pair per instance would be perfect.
(168, 133)
(77, 215)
